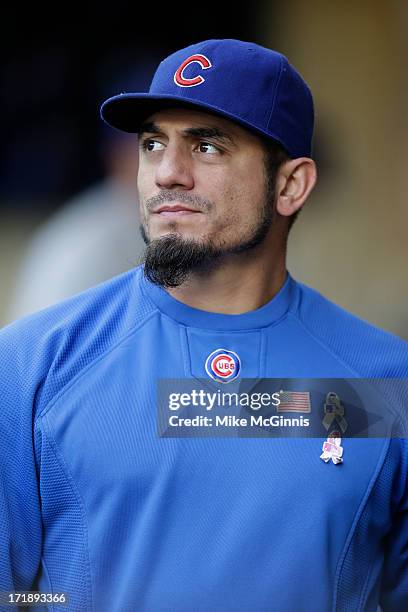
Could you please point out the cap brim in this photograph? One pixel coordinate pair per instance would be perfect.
(128, 111)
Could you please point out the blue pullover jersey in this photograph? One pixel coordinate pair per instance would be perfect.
(95, 504)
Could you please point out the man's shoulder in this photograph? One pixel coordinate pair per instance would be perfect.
(367, 349)
(101, 304)
(50, 347)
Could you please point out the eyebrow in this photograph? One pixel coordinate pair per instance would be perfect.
(199, 132)
(150, 128)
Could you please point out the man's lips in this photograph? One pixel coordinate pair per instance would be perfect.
(177, 210)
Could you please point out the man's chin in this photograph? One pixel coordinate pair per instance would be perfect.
(181, 230)
(189, 240)
(188, 225)
(174, 230)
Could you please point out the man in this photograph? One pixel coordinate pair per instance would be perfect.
(95, 503)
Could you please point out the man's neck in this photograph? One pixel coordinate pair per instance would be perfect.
(240, 284)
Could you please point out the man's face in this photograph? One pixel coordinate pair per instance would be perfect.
(202, 183)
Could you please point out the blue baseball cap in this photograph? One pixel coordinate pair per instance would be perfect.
(241, 81)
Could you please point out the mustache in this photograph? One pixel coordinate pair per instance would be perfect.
(164, 196)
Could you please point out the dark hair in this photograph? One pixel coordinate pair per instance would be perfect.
(275, 156)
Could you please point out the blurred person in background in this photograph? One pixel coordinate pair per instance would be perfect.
(94, 235)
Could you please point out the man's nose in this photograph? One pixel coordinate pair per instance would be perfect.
(174, 169)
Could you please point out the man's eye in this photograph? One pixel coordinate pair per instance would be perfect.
(206, 147)
(152, 145)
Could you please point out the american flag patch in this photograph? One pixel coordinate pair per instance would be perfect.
(294, 401)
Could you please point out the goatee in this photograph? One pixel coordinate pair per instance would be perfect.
(171, 259)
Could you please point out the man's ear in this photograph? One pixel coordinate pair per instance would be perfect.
(294, 182)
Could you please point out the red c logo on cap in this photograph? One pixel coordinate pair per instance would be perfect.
(181, 81)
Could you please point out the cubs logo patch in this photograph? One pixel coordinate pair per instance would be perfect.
(222, 365)
(183, 81)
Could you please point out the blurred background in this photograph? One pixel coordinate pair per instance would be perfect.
(68, 205)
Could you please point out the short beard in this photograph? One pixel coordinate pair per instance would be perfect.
(170, 260)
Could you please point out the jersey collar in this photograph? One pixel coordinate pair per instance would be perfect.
(269, 314)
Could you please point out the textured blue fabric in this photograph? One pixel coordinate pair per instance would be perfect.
(92, 502)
